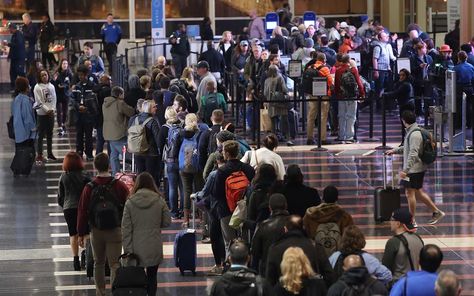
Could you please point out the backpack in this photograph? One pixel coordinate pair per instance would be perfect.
(235, 188)
(338, 270)
(222, 90)
(328, 235)
(209, 104)
(168, 98)
(428, 152)
(243, 146)
(188, 158)
(349, 87)
(169, 151)
(212, 146)
(137, 140)
(308, 76)
(359, 290)
(179, 87)
(105, 211)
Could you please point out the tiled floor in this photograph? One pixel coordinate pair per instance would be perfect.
(35, 257)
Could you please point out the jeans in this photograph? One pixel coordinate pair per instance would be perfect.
(347, 118)
(151, 273)
(174, 182)
(105, 244)
(313, 113)
(150, 164)
(115, 152)
(17, 68)
(281, 122)
(84, 129)
(191, 183)
(99, 143)
(45, 127)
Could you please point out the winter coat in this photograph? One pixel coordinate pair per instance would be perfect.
(356, 276)
(325, 213)
(116, 114)
(239, 281)
(144, 215)
(300, 197)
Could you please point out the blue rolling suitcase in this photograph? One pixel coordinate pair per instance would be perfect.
(185, 249)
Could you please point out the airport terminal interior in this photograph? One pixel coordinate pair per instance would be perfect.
(35, 254)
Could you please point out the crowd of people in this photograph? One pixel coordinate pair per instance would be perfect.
(174, 121)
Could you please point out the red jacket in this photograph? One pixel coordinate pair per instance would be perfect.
(121, 193)
(339, 71)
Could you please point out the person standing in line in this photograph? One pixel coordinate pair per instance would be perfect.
(180, 49)
(71, 183)
(30, 32)
(111, 33)
(62, 80)
(414, 169)
(16, 55)
(46, 38)
(97, 64)
(45, 100)
(145, 214)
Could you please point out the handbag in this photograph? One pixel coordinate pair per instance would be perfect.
(10, 128)
(265, 120)
(279, 95)
(239, 215)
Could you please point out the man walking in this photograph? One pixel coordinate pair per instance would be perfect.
(414, 169)
(111, 35)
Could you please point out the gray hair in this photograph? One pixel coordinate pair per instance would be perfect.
(116, 91)
(272, 71)
(447, 283)
(26, 14)
(133, 81)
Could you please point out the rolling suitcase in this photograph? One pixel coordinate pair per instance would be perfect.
(293, 120)
(127, 177)
(386, 199)
(23, 160)
(129, 279)
(185, 249)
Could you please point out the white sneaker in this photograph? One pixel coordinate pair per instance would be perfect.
(436, 217)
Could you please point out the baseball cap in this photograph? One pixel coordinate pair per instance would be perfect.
(244, 42)
(445, 48)
(403, 216)
(203, 64)
(344, 25)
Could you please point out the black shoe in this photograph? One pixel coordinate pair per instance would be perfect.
(310, 142)
(77, 263)
(326, 142)
(51, 157)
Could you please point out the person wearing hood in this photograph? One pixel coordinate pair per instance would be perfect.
(328, 211)
(295, 236)
(269, 231)
(239, 279)
(145, 214)
(116, 113)
(150, 161)
(357, 276)
(303, 54)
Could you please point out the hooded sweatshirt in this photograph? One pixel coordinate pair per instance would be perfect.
(45, 98)
(116, 115)
(357, 276)
(325, 213)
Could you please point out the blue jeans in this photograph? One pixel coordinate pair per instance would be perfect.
(347, 118)
(174, 182)
(99, 145)
(115, 152)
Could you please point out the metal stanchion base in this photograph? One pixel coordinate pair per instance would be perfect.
(383, 147)
(453, 154)
(319, 149)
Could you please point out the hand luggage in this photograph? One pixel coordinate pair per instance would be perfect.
(293, 120)
(23, 160)
(127, 177)
(129, 279)
(386, 199)
(185, 246)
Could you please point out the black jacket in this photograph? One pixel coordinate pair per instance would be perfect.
(46, 35)
(64, 79)
(83, 91)
(219, 202)
(206, 31)
(311, 287)
(30, 32)
(266, 234)
(403, 93)
(17, 48)
(214, 59)
(300, 197)
(227, 54)
(102, 91)
(357, 276)
(182, 46)
(315, 253)
(239, 281)
(133, 95)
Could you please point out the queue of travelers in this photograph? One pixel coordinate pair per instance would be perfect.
(173, 120)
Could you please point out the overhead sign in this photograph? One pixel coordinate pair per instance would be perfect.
(158, 19)
(309, 18)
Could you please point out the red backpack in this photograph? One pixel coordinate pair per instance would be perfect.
(235, 187)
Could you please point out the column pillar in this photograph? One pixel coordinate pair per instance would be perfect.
(467, 22)
(393, 15)
(421, 16)
(370, 9)
(51, 10)
(131, 19)
(212, 14)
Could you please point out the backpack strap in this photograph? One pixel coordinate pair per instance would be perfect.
(405, 244)
(405, 285)
(259, 284)
(147, 120)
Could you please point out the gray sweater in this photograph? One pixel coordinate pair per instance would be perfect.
(411, 151)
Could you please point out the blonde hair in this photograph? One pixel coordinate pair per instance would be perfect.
(147, 106)
(225, 33)
(170, 115)
(294, 267)
(188, 76)
(277, 31)
(191, 122)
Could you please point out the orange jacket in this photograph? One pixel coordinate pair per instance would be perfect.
(325, 72)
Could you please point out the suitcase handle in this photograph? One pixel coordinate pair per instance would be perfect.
(130, 256)
(384, 171)
(124, 154)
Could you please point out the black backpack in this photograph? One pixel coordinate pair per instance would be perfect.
(338, 270)
(428, 152)
(179, 87)
(105, 211)
(359, 290)
(349, 87)
(308, 76)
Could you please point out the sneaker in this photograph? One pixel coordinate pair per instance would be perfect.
(206, 240)
(51, 157)
(310, 142)
(414, 224)
(215, 270)
(438, 215)
(290, 143)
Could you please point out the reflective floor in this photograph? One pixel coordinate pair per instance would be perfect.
(34, 247)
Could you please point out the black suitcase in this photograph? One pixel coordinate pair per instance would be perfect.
(386, 199)
(23, 160)
(130, 279)
(293, 120)
(185, 247)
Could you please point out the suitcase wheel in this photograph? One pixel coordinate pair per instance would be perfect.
(194, 272)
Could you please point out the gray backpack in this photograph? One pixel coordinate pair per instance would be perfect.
(137, 141)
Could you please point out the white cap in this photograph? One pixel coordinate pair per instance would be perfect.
(344, 25)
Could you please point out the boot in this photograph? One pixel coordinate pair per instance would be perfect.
(77, 263)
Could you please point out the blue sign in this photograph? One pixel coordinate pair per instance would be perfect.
(271, 21)
(158, 19)
(309, 18)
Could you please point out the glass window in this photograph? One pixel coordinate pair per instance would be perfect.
(90, 9)
(331, 7)
(13, 9)
(235, 8)
(186, 8)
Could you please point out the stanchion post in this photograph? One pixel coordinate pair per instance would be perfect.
(371, 121)
(244, 120)
(257, 125)
(384, 128)
(319, 90)
(145, 56)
